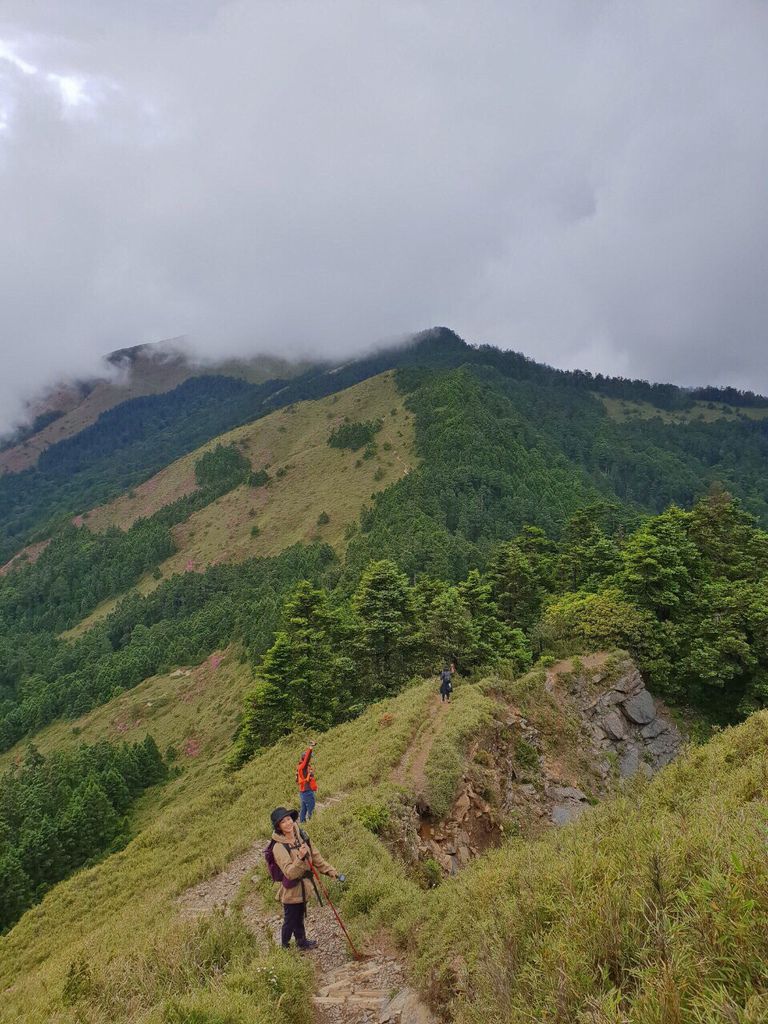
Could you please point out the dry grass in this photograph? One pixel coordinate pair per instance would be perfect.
(314, 478)
(623, 410)
(651, 909)
(120, 917)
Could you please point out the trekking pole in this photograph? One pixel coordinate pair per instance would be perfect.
(317, 891)
(355, 952)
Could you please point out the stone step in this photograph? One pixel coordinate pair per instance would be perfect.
(336, 988)
(363, 1002)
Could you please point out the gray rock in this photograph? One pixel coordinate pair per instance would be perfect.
(562, 814)
(614, 725)
(664, 747)
(566, 793)
(609, 699)
(651, 731)
(632, 682)
(640, 709)
(629, 763)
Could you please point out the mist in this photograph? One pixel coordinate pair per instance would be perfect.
(581, 182)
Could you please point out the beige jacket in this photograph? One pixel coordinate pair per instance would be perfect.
(286, 853)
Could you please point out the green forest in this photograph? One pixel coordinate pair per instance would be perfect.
(520, 465)
(60, 812)
(686, 593)
(531, 522)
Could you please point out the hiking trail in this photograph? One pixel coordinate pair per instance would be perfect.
(370, 991)
(411, 770)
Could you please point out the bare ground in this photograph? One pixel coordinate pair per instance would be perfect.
(371, 990)
(411, 769)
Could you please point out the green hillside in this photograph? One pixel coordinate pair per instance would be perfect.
(653, 907)
(252, 563)
(654, 904)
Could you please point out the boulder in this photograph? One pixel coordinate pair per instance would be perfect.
(614, 725)
(641, 708)
(630, 683)
(562, 814)
(629, 763)
(653, 729)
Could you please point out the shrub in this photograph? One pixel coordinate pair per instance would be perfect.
(375, 817)
(259, 478)
(429, 874)
(354, 434)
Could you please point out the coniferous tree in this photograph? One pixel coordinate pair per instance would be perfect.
(15, 889)
(90, 822)
(446, 628)
(386, 633)
(516, 587)
(491, 641)
(587, 556)
(658, 562)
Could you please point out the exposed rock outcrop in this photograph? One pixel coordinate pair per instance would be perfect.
(593, 726)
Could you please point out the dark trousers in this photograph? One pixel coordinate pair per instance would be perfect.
(293, 923)
(307, 805)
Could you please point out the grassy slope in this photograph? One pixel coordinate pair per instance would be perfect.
(652, 908)
(152, 371)
(193, 710)
(623, 410)
(317, 479)
(121, 915)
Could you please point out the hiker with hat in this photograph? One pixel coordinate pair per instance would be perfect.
(290, 859)
(307, 783)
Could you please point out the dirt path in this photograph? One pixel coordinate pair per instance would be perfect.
(370, 991)
(411, 769)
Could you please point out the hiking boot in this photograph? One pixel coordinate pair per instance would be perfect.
(308, 944)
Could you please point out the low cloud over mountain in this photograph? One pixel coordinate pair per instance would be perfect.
(581, 182)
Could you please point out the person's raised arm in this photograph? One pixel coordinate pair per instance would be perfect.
(306, 757)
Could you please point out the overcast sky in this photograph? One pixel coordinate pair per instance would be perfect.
(586, 182)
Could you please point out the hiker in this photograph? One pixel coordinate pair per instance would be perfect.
(307, 783)
(446, 684)
(292, 856)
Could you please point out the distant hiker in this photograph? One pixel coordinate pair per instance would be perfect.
(307, 783)
(446, 684)
(288, 857)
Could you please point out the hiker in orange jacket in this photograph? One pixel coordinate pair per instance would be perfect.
(307, 783)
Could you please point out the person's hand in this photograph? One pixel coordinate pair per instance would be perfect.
(303, 851)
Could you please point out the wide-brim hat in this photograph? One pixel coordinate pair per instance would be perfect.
(282, 812)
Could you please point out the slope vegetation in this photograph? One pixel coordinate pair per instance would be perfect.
(190, 712)
(314, 492)
(143, 370)
(651, 907)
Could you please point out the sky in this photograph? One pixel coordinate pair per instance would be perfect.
(583, 182)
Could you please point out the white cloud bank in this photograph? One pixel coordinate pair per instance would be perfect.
(582, 182)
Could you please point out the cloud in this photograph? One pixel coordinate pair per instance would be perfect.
(583, 183)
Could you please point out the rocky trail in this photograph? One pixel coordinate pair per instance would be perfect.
(347, 991)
